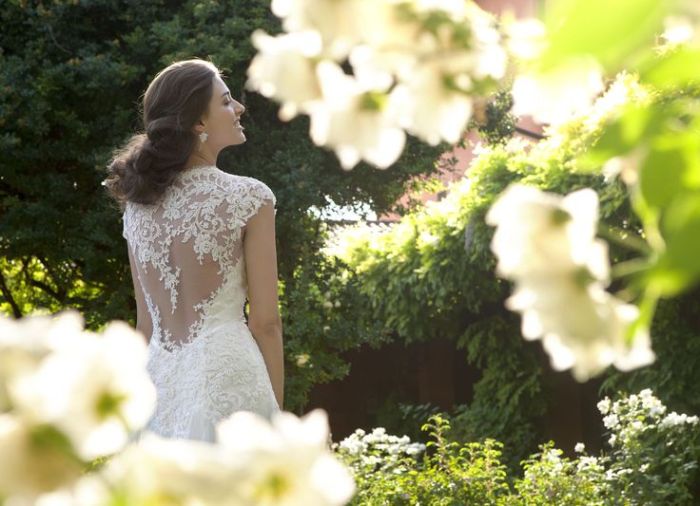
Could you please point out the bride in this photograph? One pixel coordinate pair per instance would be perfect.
(200, 242)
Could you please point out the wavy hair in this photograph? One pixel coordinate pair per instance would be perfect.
(174, 101)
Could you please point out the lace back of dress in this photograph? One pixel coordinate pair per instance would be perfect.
(189, 249)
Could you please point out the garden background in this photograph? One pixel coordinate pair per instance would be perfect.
(382, 333)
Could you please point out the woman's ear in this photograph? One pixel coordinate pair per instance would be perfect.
(199, 127)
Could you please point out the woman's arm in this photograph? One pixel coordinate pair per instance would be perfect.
(264, 318)
(143, 318)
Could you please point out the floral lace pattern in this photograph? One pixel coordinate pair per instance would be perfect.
(188, 250)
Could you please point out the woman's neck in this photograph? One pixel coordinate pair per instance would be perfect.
(196, 160)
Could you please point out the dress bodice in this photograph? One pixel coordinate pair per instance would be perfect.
(188, 252)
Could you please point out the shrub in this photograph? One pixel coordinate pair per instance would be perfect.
(652, 460)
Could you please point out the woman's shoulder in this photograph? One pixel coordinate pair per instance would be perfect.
(254, 187)
(234, 185)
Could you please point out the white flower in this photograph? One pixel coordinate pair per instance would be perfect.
(604, 406)
(341, 23)
(587, 463)
(31, 464)
(302, 359)
(491, 57)
(611, 421)
(580, 448)
(678, 30)
(285, 69)
(434, 111)
(546, 244)
(187, 472)
(24, 343)
(437, 90)
(352, 445)
(581, 326)
(286, 461)
(627, 166)
(525, 38)
(539, 232)
(94, 389)
(673, 419)
(357, 119)
(558, 94)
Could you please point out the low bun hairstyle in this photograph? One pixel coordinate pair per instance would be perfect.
(173, 103)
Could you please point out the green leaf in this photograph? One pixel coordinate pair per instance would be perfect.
(661, 176)
(673, 69)
(678, 265)
(681, 226)
(621, 135)
(608, 31)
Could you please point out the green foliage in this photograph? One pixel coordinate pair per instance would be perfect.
(658, 138)
(403, 418)
(654, 454)
(387, 469)
(626, 26)
(674, 374)
(653, 139)
(653, 459)
(498, 123)
(432, 275)
(550, 478)
(71, 74)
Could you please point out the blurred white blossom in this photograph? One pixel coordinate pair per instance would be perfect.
(678, 30)
(285, 461)
(557, 94)
(438, 90)
(539, 233)
(546, 244)
(525, 38)
(71, 396)
(417, 66)
(95, 390)
(189, 473)
(285, 69)
(24, 343)
(30, 461)
(357, 119)
(340, 23)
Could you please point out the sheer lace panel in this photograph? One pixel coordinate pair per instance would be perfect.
(189, 251)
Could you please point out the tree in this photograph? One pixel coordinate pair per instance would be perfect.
(70, 80)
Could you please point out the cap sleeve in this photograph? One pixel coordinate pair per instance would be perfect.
(262, 193)
(257, 195)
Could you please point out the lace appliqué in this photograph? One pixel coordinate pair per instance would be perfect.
(163, 336)
(206, 206)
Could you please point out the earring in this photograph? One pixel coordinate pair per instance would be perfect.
(203, 137)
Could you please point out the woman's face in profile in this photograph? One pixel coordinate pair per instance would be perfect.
(222, 118)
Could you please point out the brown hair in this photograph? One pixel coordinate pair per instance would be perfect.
(175, 100)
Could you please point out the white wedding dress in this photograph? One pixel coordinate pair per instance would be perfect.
(187, 251)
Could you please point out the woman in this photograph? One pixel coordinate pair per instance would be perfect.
(199, 241)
